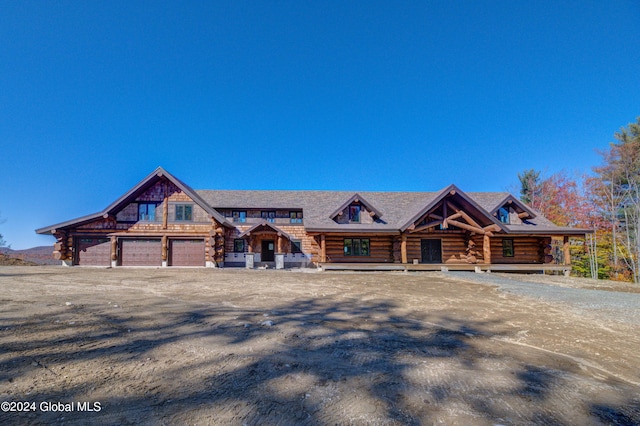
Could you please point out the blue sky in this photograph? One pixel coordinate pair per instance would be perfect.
(355, 95)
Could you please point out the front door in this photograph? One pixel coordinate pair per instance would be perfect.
(431, 250)
(268, 250)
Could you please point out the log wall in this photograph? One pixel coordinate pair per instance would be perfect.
(381, 249)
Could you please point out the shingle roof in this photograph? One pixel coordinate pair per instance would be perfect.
(395, 208)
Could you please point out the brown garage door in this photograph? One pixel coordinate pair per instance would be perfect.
(186, 252)
(140, 253)
(93, 252)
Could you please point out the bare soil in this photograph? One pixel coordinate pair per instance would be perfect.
(195, 346)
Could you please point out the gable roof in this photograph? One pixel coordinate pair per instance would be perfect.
(400, 209)
(265, 224)
(126, 198)
(452, 191)
(356, 198)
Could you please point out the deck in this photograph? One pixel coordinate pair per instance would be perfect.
(517, 267)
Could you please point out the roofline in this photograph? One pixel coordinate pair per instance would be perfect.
(440, 196)
(361, 199)
(353, 230)
(125, 199)
(532, 214)
(268, 224)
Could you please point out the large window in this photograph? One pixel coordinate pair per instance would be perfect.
(295, 217)
(269, 216)
(507, 247)
(296, 246)
(356, 247)
(147, 211)
(238, 245)
(184, 212)
(354, 213)
(239, 216)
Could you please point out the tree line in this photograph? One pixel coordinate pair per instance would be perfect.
(606, 200)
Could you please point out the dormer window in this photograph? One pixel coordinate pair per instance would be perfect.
(269, 216)
(354, 213)
(503, 215)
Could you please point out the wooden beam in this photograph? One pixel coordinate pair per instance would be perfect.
(114, 248)
(427, 226)
(467, 227)
(165, 250)
(566, 251)
(323, 249)
(165, 208)
(486, 249)
(403, 248)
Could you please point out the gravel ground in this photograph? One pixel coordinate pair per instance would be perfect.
(616, 305)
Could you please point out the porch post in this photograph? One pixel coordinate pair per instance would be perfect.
(566, 250)
(323, 249)
(403, 248)
(486, 249)
(114, 251)
(165, 251)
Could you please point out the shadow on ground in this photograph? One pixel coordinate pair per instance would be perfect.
(315, 361)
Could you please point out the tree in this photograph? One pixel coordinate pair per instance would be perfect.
(3, 243)
(617, 191)
(530, 186)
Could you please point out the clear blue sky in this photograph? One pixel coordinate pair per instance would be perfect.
(354, 95)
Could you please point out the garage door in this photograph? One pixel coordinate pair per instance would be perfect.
(140, 253)
(186, 252)
(93, 252)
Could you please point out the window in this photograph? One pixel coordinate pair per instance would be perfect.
(503, 215)
(238, 245)
(354, 213)
(269, 216)
(507, 248)
(146, 211)
(184, 212)
(296, 246)
(239, 216)
(356, 247)
(295, 217)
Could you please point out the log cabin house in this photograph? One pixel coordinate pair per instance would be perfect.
(161, 221)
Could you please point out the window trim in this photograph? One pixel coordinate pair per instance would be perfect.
(239, 216)
(506, 216)
(296, 246)
(508, 249)
(352, 208)
(295, 216)
(235, 245)
(148, 219)
(183, 207)
(350, 249)
(268, 215)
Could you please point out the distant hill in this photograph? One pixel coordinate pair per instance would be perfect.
(42, 255)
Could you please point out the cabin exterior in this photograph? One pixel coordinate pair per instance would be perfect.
(162, 222)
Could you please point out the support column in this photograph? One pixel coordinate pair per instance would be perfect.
(403, 248)
(566, 251)
(114, 251)
(165, 208)
(165, 251)
(323, 249)
(486, 249)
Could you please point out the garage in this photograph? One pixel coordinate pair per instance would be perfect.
(186, 252)
(92, 251)
(141, 252)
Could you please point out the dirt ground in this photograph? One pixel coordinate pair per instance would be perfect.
(195, 346)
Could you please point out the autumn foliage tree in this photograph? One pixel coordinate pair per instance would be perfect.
(607, 202)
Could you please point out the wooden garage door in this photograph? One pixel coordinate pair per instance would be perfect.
(140, 253)
(186, 252)
(93, 252)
